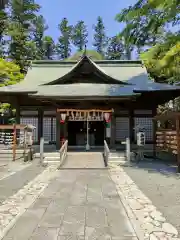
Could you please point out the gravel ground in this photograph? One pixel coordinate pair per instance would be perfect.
(161, 184)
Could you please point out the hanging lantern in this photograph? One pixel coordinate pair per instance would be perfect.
(107, 117)
(63, 118)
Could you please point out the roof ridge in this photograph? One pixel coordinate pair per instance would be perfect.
(64, 62)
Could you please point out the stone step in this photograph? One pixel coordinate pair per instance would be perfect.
(7, 154)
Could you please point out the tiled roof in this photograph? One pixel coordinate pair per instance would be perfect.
(132, 73)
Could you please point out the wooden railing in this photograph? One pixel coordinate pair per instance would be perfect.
(63, 152)
(168, 140)
(106, 153)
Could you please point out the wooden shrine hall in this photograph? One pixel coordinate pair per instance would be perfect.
(87, 101)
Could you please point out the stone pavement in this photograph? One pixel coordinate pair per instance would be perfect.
(84, 160)
(84, 204)
(150, 224)
(15, 175)
(68, 204)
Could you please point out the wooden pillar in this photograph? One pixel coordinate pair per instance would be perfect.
(113, 131)
(51, 129)
(178, 142)
(66, 129)
(58, 130)
(154, 113)
(131, 125)
(40, 123)
(18, 114)
(15, 104)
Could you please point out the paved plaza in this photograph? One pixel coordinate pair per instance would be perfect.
(81, 204)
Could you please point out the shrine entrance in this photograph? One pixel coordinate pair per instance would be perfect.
(86, 128)
(77, 133)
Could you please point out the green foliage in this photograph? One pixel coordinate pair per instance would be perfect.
(100, 38)
(49, 47)
(39, 28)
(146, 23)
(90, 53)
(63, 47)
(79, 35)
(115, 49)
(3, 26)
(21, 17)
(9, 73)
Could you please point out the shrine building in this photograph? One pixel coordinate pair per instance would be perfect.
(87, 101)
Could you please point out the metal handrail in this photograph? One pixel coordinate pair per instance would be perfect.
(63, 152)
(106, 153)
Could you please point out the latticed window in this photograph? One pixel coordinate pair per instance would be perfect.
(33, 121)
(54, 129)
(147, 124)
(47, 129)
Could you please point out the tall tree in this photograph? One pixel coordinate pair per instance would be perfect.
(64, 41)
(40, 26)
(22, 14)
(140, 30)
(48, 47)
(146, 22)
(115, 48)
(80, 35)
(3, 28)
(100, 38)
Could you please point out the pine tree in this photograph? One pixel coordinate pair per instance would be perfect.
(22, 14)
(64, 41)
(40, 26)
(49, 47)
(80, 35)
(3, 27)
(115, 49)
(100, 39)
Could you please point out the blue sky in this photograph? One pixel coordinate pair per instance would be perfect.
(75, 10)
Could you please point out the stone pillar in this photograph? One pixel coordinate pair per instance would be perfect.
(58, 131)
(40, 123)
(113, 131)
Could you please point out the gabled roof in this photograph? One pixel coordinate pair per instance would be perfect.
(42, 73)
(123, 78)
(96, 69)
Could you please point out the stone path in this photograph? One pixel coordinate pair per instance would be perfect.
(11, 168)
(13, 207)
(84, 160)
(76, 204)
(150, 224)
(15, 176)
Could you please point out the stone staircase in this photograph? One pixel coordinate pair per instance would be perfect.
(7, 155)
(51, 157)
(117, 157)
